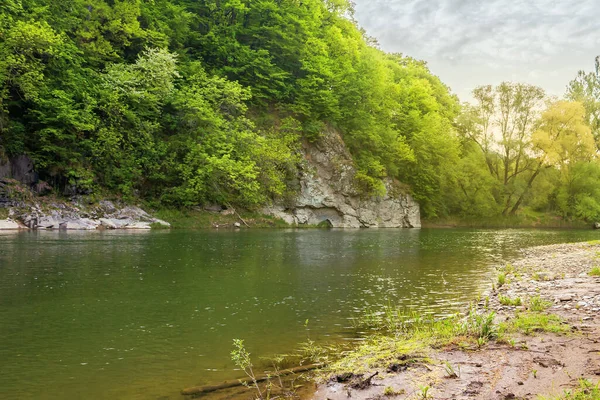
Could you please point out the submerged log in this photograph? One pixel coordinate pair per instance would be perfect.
(241, 382)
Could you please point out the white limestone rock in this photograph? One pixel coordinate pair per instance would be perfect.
(8, 225)
(327, 194)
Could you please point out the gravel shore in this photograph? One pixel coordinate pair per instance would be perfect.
(532, 363)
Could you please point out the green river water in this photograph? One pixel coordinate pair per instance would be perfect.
(140, 315)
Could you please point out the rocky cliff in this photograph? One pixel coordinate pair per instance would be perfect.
(328, 196)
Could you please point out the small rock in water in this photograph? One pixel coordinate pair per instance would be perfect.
(237, 225)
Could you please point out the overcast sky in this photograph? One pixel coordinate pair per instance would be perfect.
(475, 42)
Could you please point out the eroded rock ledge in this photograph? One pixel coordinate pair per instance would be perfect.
(74, 216)
(327, 194)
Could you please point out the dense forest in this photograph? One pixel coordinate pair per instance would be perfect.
(186, 102)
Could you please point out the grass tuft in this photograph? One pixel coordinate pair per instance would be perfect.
(595, 271)
(586, 391)
(501, 279)
(507, 301)
(536, 303)
(531, 322)
(199, 219)
(404, 339)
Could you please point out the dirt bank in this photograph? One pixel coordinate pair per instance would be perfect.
(546, 309)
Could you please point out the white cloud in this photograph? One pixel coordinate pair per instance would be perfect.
(472, 42)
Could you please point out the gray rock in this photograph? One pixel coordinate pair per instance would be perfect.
(108, 223)
(138, 225)
(107, 206)
(81, 224)
(73, 216)
(7, 225)
(566, 297)
(216, 208)
(327, 194)
(19, 168)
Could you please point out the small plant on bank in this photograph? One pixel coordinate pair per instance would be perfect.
(509, 269)
(241, 358)
(534, 372)
(595, 271)
(481, 326)
(507, 301)
(424, 394)
(536, 303)
(390, 391)
(532, 322)
(501, 279)
(586, 391)
(315, 353)
(450, 371)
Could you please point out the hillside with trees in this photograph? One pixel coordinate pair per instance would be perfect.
(183, 103)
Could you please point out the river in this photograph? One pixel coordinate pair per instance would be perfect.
(140, 315)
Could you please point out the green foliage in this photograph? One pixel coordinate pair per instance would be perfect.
(537, 304)
(594, 271)
(501, 279)
(188, 103)
(507, 301)
(164, 99)
(586, 391)
(532, 322)
(241, 358)
(405, 338)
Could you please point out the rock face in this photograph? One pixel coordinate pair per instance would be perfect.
(327, 194)
(70, 216)
(8, 225)
(19, 168)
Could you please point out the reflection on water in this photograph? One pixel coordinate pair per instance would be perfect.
(104, 315)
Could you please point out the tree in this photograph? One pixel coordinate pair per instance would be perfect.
(564, 141)
(585, 88)
(501, 123)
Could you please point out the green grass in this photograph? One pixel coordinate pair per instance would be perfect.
(507, 301)
(196, 219)
(595, 271)
(531, 322)
(509, 269)
(156, 225)
(586, 391)
(390, 391)
(501, 279)
(536, 303)
(402, 339)
(526, 219)
(3, 213)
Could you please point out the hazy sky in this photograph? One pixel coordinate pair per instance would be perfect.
(474, 42)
